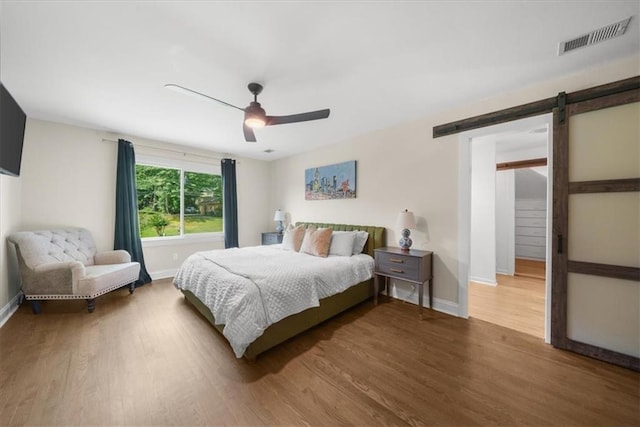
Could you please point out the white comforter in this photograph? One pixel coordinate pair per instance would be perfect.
(250, 288)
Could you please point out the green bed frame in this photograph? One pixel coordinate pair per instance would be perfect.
(329, 307)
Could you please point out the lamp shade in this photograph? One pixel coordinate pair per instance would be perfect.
(279, 216)
(406, 220)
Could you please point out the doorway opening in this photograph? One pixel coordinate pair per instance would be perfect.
(504, 219)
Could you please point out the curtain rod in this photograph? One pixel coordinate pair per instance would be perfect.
(168, 149)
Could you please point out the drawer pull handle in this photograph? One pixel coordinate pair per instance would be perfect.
(396, 270)
(396, 260)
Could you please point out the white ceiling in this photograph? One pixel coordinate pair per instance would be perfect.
(103, 64)
(531, 140)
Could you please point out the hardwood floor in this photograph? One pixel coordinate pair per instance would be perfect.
(516, 303)
(150, 359)
(530, 268)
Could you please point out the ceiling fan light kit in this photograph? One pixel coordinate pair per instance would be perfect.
(254, 122)
(254, 114)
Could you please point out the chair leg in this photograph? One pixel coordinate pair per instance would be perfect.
(35, 307)
(91, 305)
(132, 287)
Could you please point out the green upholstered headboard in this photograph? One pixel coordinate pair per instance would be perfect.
(376, 234)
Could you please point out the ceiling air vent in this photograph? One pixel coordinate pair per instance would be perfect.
(596, 36)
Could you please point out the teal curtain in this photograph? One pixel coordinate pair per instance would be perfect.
(230, 203)
(127, 233)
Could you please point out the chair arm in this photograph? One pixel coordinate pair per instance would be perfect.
(53, 277)
(119, 256)
(51, 267)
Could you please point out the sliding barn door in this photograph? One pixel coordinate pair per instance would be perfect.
(596, 228)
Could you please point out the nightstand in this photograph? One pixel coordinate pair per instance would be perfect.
(271, 238)
(411, 266)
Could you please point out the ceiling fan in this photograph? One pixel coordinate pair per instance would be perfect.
(254, 114)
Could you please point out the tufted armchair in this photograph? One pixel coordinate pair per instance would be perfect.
(64, 264)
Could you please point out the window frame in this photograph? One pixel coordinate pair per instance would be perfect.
(183, 166)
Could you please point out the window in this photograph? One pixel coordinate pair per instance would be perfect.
(174, 201)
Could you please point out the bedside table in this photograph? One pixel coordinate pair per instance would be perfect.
(411, 266)
(271, 238)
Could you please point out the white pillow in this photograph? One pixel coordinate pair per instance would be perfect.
(359, 242)
(342, 243)
(292, 239)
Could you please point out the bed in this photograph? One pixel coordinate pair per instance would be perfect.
(292, 325)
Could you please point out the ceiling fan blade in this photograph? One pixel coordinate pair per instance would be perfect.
(249, 136)
(186, 91)
(294, 118)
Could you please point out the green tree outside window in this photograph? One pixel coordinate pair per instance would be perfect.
(159, 197)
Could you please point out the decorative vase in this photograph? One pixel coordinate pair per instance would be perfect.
(406, 242)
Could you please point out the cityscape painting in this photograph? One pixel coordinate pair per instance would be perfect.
(331, 182)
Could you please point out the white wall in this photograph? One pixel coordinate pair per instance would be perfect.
(505, 222)
(527, 153)
(482, 268)
(398, 168)
(68, 178)
(10, 196)
(404, 167)
(531, 184)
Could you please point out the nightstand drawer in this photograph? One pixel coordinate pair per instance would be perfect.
(398, 265)
(271, 238)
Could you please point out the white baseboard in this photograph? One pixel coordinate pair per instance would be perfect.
(163, 274)
(399, 291)
(483, 281)
(7, 311)
(446, 306)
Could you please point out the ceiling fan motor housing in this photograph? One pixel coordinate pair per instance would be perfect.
(254, 114)
(255, 110)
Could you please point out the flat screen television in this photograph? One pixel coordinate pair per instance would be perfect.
(12, 122)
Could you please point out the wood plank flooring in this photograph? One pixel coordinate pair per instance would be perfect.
(515, 303)
(530, 268)
(150, 359)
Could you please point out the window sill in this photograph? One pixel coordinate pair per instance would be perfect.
(182, 240)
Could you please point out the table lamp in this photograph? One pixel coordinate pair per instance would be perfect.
(279, 216)
(406, 220)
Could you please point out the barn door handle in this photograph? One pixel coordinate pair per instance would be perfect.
(560, 243)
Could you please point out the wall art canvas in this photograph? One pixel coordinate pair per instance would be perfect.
(331, 182)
